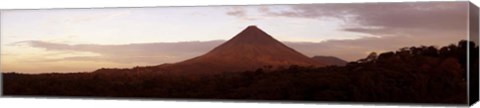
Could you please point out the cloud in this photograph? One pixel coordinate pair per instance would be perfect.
(159, 53)
(380, 19)
(431, 16)
(238, 12)
(352, 50)
(146, 53)
(241, 12)
(392, 25)
(407, 23)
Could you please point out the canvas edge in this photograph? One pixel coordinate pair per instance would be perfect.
(473, 31)
(1, 49)
(218, 5)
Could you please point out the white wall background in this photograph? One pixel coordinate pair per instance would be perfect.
(9, 102)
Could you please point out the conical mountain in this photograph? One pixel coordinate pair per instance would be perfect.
(250, 49)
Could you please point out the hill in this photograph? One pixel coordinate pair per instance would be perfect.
(330, 60)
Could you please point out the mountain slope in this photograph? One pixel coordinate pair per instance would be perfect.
(250, 49)
(330, 60)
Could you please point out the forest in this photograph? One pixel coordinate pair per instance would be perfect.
(420, 74)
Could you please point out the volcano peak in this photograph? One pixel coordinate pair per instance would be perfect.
(250, 49)
(252, 27)
(252, 35)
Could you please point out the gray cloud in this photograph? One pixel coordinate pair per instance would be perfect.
(238, 12)
(411, 15)
(158, 53)
(149, 53)
(394, 25)
(355, 49)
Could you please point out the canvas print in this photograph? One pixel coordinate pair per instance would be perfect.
(406, 52)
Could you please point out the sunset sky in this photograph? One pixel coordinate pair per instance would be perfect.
(78, 40)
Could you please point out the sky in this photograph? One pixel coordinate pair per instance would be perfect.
(82, 40)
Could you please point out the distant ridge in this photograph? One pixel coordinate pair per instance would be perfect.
(330, 60)
(248, 50)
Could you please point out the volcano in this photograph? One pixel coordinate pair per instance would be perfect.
(248, 50)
